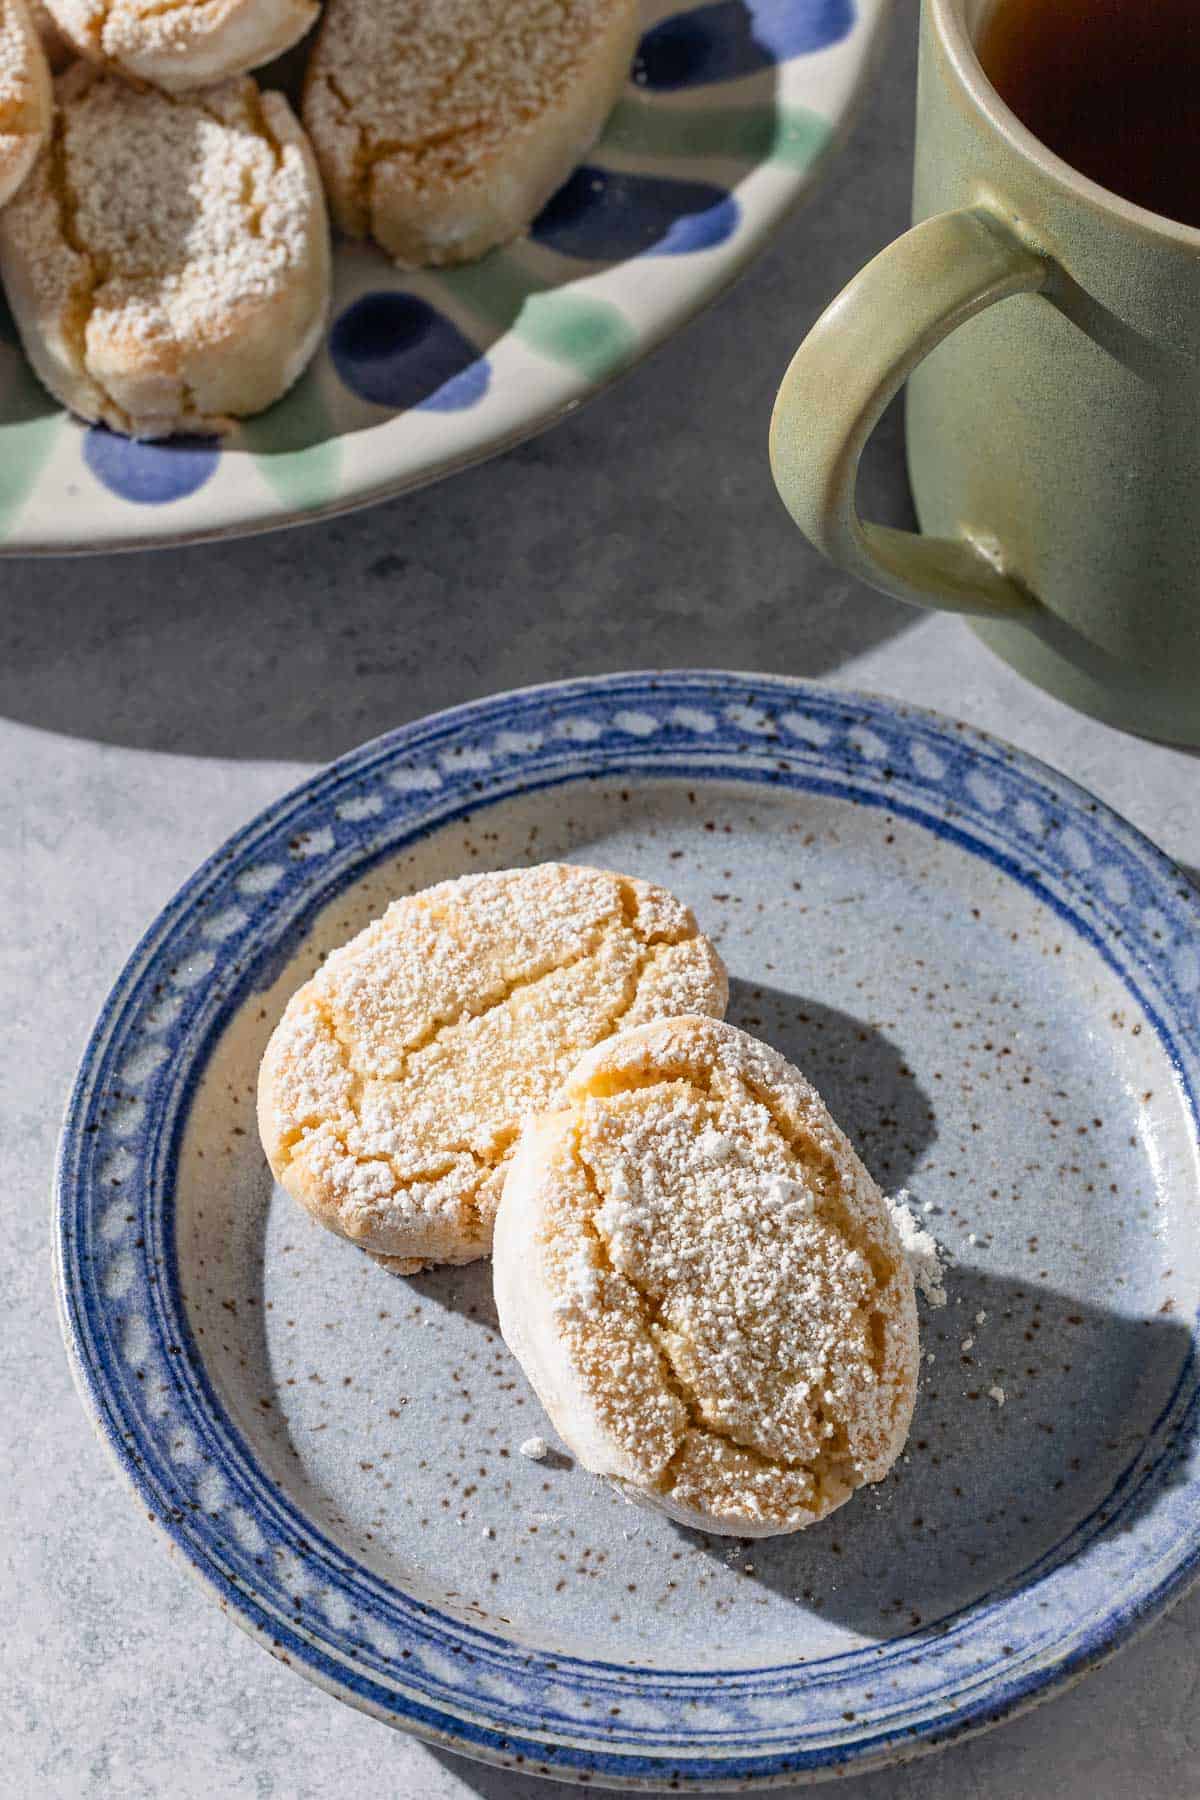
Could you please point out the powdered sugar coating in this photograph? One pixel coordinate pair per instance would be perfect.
(184, 45)
(395, 1084)
(442, 126)
(703, 1283)
(26, 101)
(168, 259)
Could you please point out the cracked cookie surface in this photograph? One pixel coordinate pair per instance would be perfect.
(395, 1084)
(181, 44)
(703, 1284)
(443, 126)
(167, 261)
(26, 97)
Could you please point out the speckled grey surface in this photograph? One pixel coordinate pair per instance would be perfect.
(148, 707)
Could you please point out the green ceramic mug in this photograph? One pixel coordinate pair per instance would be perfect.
(1049, 332)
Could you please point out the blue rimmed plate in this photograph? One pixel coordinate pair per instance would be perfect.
(993, 979)
(730, 108)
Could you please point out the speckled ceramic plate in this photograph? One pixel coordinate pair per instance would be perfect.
(993, 980)
(730, 108)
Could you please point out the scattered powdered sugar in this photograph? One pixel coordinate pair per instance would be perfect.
(536, 1449)
(921, 1249)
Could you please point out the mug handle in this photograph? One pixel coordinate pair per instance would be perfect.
(854, 360)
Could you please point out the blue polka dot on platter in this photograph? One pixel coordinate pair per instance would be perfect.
(732, 38)
(149, 474)
(397, 350)
(605, 215)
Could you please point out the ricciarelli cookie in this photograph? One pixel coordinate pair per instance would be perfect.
(26, 97)
(167, 260)
(703, 1283)
(442, 127)
(394, 1086)
(184, 45)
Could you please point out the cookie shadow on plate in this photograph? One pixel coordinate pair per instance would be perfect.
(859, 1072)
(375, 1401)
(1033, 1403)
(261, 1247)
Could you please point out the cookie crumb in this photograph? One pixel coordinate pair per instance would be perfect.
(996, 1394)
(535, 1448)
(921, 1250)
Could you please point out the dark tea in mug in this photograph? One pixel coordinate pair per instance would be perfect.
(1111, 86)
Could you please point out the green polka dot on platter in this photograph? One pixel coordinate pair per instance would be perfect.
(728, 110)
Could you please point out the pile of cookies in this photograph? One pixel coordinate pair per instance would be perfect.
(164, 242)
(695, 1271)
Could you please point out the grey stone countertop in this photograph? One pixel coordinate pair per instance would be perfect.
(149, 705)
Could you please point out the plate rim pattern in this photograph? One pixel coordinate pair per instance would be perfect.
(452, 1682)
